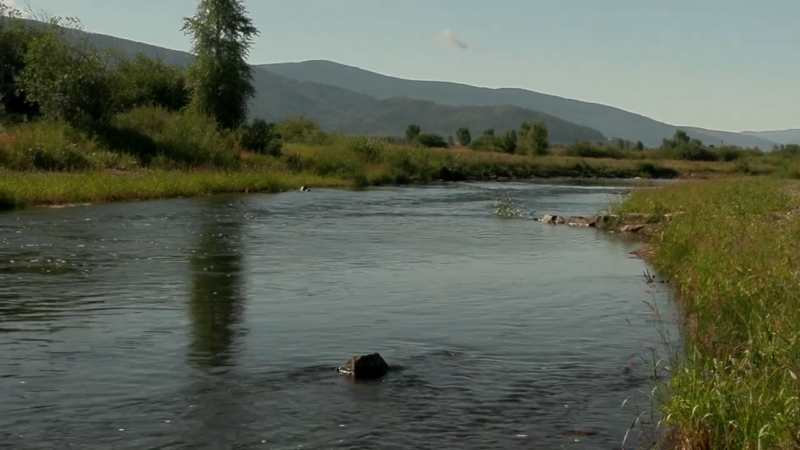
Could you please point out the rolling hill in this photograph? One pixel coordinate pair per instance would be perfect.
(779, 137)
(611, 121)
(344, 110)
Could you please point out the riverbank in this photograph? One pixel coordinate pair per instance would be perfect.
(47, 168)
(730, 251)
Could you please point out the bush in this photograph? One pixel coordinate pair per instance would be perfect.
(368, 148)
(260, 137)
(431, 140)
(54, 146)
(70, 83)
(301, 130)
(150, 82)
(186, 139)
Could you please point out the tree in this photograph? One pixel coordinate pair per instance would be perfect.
(450, 141)
(69, 82)
(508, 141)
(534, 139)
(220, 78)
(680, 138)
(412, 131)
(639, 145)
(488, 132)
(151, 82)
(261, 137)
(463, 136)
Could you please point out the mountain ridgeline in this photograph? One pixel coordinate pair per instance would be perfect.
(612, 122)
(356, 101)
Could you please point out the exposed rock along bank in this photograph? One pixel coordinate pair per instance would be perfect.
(629, 223)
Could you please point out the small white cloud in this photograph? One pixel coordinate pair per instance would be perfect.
(449, 38)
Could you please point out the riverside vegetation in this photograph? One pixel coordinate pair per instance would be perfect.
(84, 124)
(730, 249)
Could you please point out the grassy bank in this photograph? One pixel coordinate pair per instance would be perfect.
(733, 257)
(150, 152)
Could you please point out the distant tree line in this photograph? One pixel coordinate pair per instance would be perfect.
(531, 139)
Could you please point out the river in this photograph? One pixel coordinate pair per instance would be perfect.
(218, 322)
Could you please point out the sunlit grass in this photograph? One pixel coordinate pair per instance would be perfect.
(732, 254)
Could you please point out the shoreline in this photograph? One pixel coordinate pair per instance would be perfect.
(21, 190)
(727, 249)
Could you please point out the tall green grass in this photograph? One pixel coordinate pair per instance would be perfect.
(53, 188)
(733, 256)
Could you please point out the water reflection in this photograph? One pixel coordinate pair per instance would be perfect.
(216, 297)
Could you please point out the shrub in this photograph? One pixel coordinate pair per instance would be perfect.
(301, 130)
(70, 83)
(186, 139)
(261, 137)
(431, 140)
(144, 81)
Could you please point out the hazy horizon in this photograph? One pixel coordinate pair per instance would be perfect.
(717, 65)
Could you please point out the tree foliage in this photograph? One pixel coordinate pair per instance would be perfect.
(220, 78)
(430, 140)
(144, 81)
(261, 137)
(533, 138)
(412, 131)
(463, 136)
(70, 82)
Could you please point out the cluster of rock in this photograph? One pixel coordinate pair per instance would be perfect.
(629, 223)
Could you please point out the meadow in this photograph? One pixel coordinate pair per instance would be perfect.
(731, 255)
(150, 152)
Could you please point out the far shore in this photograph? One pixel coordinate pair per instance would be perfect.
(66, 189)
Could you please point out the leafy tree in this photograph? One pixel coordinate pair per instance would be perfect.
(261, 137)
(639, 145)
(508, 141)
(621, 143)
(463, 136)
(70, 82)
(450, 141)
(220, 78)
(412, 131)
(680, 137)
(488, 132)
(533, 138)
(430, 140)
(151, 82)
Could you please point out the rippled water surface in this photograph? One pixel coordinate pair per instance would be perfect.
(218, 323)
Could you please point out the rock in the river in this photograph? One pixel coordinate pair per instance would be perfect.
(578, 221)
(365, 366)
(547, 218)
(632, 228)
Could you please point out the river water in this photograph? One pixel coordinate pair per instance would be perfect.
(218, 322)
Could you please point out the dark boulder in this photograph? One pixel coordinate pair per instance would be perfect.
(365, 366)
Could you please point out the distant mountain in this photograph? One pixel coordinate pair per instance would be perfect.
(383, 117)
(608, 120)
(780, 137)
(717, 138)
(340, 109)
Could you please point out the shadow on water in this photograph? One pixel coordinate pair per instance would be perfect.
(215, 297)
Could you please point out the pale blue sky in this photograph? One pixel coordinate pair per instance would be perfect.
(723, 64)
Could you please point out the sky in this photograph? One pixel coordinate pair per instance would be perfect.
(729, 65)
